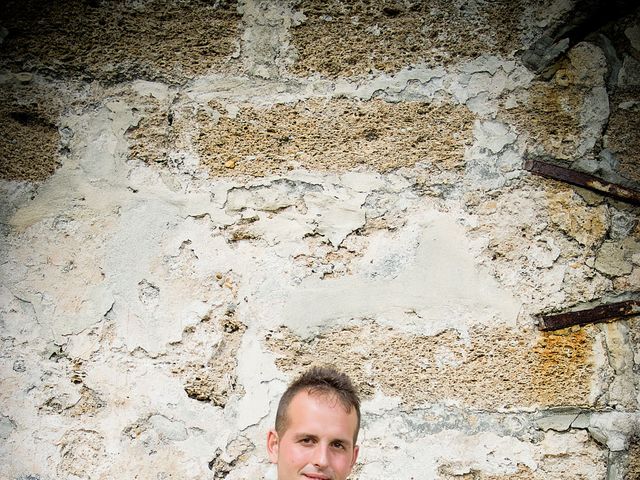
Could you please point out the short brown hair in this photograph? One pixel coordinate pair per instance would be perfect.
(322, 380)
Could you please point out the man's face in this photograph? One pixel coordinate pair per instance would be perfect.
(318, 440)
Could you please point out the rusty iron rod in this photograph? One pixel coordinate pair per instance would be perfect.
(601, 313)
(580, 179)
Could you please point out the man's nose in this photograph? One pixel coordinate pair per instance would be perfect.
(321, 456)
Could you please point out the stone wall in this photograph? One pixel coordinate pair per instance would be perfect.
(201, 199)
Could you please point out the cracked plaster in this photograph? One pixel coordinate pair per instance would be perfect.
(153, 307)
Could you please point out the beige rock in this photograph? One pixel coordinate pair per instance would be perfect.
(335, 135)
(549, 369)
(354, 38)
(587, 225)
(614, 257)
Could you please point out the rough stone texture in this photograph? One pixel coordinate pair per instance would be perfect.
(183, 235)
(551, 117)
(213, 379)
(555, 247)
(315, 134)
(81, 452)
(564, 117)
(633, 468)
(419, 369)
(625, 118)
(338, 38)
(586, 224)
(117, 41)
(30, 140)
(321, 135)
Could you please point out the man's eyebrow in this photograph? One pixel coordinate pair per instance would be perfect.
(305, 435)
(301, 435)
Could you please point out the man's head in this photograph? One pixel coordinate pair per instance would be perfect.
(317, 427)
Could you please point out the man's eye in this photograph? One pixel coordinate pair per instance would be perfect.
(305, 440)
(338, 445)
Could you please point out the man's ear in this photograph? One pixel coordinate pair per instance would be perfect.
(273, 445)
(356, 450)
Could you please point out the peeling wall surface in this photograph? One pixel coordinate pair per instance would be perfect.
(200, 199)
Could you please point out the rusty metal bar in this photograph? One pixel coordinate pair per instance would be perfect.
(580, 179)
(601, 313)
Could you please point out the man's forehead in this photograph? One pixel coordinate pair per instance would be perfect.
(326, 395)
(324, 408)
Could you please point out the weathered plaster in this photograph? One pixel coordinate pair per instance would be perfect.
(275, 184)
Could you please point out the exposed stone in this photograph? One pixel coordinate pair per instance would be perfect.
(354, 38)
(150, 138)
(89, 404)
(335, 135)
(633, 467)
(29, 142)
(629, 75)
(633, 34)
(113, 41)
(247, 188)
(620, 138)
(622, 390)
(550, 116)
(565, 119)
(224, 462)
(556, 369)
(587, 225)
(586, 65)
(556, 455)
(614, 257)
(212, 378)
(455, 472)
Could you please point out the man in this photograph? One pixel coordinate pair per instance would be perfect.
(317, 426)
